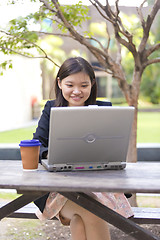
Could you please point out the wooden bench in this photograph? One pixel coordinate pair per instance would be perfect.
(141, 215)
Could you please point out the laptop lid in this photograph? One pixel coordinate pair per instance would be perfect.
(90, 137)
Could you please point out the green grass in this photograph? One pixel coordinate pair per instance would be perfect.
(8, 195)
(25, 229)
(16, 135)
(148, 201)
(148, 130)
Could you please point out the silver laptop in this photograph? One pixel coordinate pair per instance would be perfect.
(88, 138)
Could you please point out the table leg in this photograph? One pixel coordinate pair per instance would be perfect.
(112, 217)
(18, 203)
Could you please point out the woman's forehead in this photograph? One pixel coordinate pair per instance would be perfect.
(80, 77)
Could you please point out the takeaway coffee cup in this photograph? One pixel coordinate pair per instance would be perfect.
(30, 154)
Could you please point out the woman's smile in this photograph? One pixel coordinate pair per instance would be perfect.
(76, 98)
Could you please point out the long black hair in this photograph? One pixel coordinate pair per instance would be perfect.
(72, 66)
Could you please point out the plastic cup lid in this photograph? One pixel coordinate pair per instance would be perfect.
(30, 143)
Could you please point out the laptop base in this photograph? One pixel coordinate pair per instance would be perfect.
(83, 166)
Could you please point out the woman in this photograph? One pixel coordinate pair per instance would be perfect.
(75, 85)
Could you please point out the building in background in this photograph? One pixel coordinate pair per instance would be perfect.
(20, 88)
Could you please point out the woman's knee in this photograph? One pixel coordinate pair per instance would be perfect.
(77, 222)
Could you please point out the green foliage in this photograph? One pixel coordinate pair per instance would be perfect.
(5, 65)
(17, 40)
(150, 86)
(74, 14)
(98, 29)
(150, 79)
(21, 37)
(133, 25)
(19, 28)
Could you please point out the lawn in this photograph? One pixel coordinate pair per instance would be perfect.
(148, 130)
(16, 135)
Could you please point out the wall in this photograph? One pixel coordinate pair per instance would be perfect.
(17, 88)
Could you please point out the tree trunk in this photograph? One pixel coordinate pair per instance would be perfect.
(132, 149)
(133, 201)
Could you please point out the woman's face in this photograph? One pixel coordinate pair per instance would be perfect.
(76, 88)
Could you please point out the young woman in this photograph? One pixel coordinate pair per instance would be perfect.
(75, 85)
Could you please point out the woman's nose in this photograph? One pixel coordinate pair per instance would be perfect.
(76, 91)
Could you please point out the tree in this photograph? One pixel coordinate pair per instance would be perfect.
(19, 38)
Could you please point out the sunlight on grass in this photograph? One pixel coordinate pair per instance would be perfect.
(148, 129)
(8, 195)
(26, 229)
(16, 135)
(148, 201)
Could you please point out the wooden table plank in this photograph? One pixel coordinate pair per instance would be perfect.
(137, 177)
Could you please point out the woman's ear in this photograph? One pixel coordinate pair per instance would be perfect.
(59, 83)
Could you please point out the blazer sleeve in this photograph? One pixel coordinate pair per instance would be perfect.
(42, 131)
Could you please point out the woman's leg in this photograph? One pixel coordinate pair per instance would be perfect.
(94, 227)
(77, 228)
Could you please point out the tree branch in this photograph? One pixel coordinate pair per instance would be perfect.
(99, 43)
(24, 55)
(117, 25)
(52, 34)
(139, 10)
(152, 49)
(102, 69)
(47, 5)
(27, 56)
(95, 5)
(109, 38)
(101, 55)
(147, 26)
(151, 61)
(119, 56)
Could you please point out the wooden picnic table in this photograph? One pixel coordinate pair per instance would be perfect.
(135, 178)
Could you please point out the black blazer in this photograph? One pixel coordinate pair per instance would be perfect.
(42, 133)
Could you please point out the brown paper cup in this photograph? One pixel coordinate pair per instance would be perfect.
(30, 157)
(30, 154)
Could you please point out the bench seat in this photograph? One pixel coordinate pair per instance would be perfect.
(141, 215)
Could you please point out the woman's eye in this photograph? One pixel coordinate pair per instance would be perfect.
(84, 86)
(68, 85)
